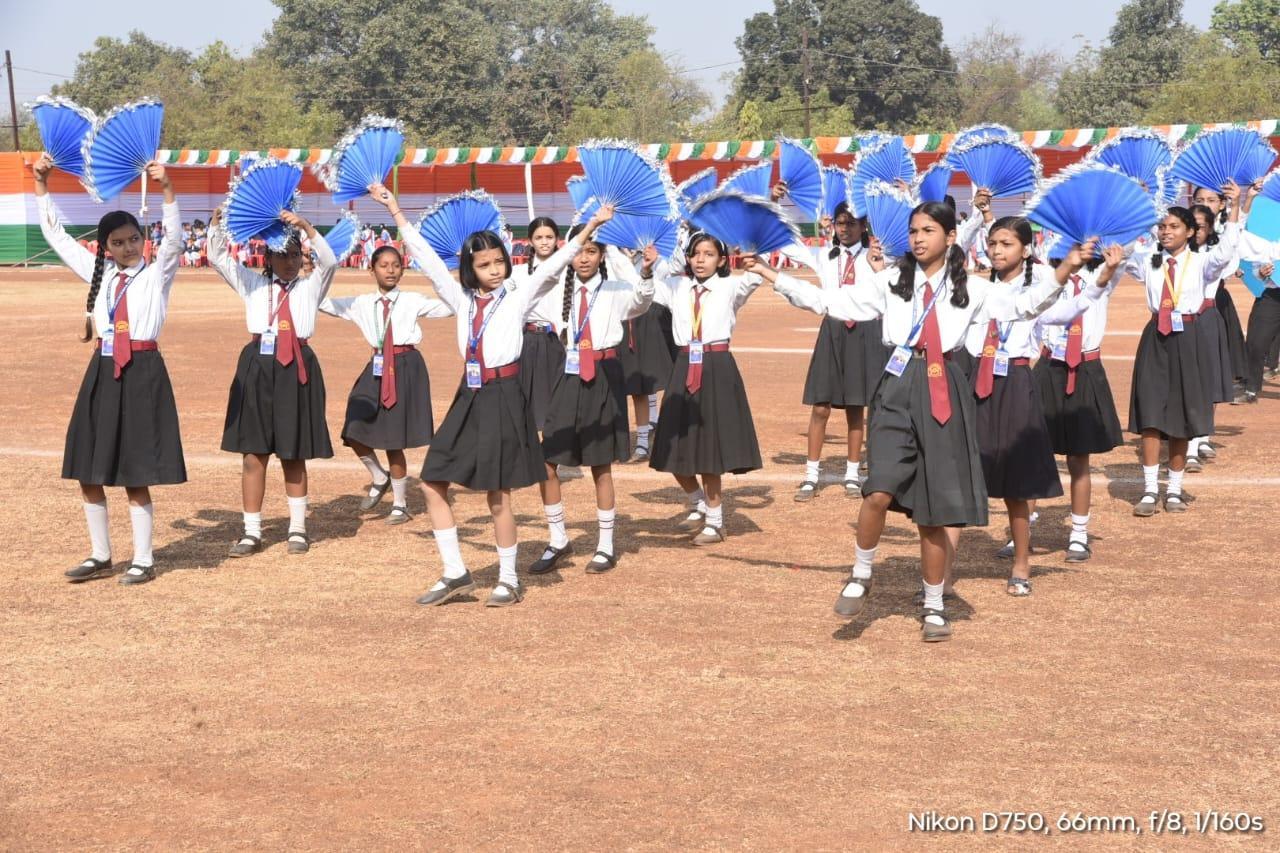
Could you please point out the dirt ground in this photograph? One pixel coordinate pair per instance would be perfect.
(693, 698)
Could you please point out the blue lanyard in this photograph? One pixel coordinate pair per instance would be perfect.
(582, 324)
(474, 340)
(919, 324)
(115, 304)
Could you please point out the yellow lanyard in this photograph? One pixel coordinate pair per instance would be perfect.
(1176, 292)
(697, 310)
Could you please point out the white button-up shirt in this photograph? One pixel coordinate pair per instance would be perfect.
(618, 302)
(261, 296)
(1020, 338)
(406, 307)
(721, 299)
(148, 284)
(1196, 271)
(1083, 298)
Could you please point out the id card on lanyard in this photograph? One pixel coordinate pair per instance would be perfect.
(475, 376)
(901, 357)
(108, 334)
(267, 340)
(695, 342)
(1175, 291)
(573, 357)
(1000, 367)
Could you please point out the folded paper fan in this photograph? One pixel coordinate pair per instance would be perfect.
(884, 159)
(889, 216)
(627, 231)
(835, 189)
(579, 191)
(933, 182)
(802, 173)
(364, 156)
(1139, 152)
(753, 224)
(618, 173)
(693, 188)
(257, 198)
(448, 225)
(118, 149)
(1005, 167)
(984, 133)
(750, 180)
(343, 237)
(1089, 199)
(63, 127)
(1171, 188)
(1216, 156)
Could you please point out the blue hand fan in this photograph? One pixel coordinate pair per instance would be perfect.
(627, 231)
(802, 172)
(886, 159)
(1225, 153)
(835, 189)
(1170, 187)
(343, 237)
(755, 225)
(933, 183)
(1056, 248)
(579, 191)
(63, 126)
(447, 225)
(889, 217)
(1138, 152)
(750, 180)
(983, 133)
(117, 151)
(619, 174)
(693, 188)
(364, 156)
(1004, 166)
(257, 198)
(1089, 199)
(585, 212)
(1271, 186)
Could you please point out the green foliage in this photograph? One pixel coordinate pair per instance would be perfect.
(1250, 23)
(1002, 82)
(651, 103)
(1200, 96)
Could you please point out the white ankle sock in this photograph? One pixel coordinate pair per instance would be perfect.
(642, 436)
(558, 536)
(1151, 479)
(604, 517)
(862, 560)
(1079, 528)
(450, 553)
(1193, 446)
(298, 515)
(851, 471)
(811, 468)
(933, 601)
(507, 565)
(95, 515)
(375, 471)
(697, 500)
(399, 491)
(715, 516)
(1033, 518)
(1175, 482)
(253, 524)
(142, 518)
(653, 408)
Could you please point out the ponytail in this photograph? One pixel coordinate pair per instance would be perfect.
(1026, 279)
(94, 286)
(959, 277)
(568, 305)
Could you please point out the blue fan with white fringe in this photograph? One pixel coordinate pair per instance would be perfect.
(1271, 186)
(344, 236)
(983, 133)
(1056, 248)
(889, 216)
(693, 188)
(835, 189)
(1005, 167)
(618, 173)
(1171, 188)
(1090, 199)
(118, 149)
(1139, 152)
(750, 180)
(627, 231)
(579, 191)
(933, 183)
(63, 126)
(585, 212)
(800, 169)
(1222, 154)
(257, 198)
(753, 224)
(365, 155)
(884, 159)
(448, 225)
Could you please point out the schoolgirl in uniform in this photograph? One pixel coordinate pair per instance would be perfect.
(1079, 408)
(922, 445)
(705, 427)
(389, 407)
(277, 398)
(587, 424)
(1173, 380)
(1226, 305)
(542, 354)
(647, 353)
(124, 427)
(488, 440)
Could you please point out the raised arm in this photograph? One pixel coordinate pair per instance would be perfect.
(77, 258)
(543, 279)
(326, 261)
(859, 304)
(169, 253)
(432, 309)
(340, 307)
(642, 289)
(435, 269)
(220, 256)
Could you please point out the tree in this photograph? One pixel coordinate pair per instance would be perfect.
(115, 71)
(1200, 96)
(1250, 22)
(1002, 82)
(1147, 47)
(651, 103)
(883, 59)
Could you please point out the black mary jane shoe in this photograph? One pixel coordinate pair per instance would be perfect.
(136, 574)
(601, 563)
(453, 587)
(548, 563)
(88, 570)
(505, 595)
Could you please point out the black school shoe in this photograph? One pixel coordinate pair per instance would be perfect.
(601, 563)
(452, 588)
(137, 574)
(89, 569)
(548, 564)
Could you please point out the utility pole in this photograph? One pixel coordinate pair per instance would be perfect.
(13, 103)
(804, 80)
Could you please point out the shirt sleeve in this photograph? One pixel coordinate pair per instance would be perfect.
(639, 298)
(432, 309)
(1019, 303)
(220, 257)
(170, 252)
(449, 290)
(1254, 248)
(802, 254)
(79, 259)
(340, 308)
(858, 304)
(621, 268)
(969, 231)
(743, 287)
(326, 265)
(544, 278)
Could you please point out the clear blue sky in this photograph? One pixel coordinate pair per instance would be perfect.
(695, 34)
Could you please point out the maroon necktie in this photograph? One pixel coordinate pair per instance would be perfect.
(987, 362)
(848, 278)
(122, 353)
(387, 391)
(1165, 322)
(939, 393)
(586, 360)
(288, 348)
(477, 321)
(1075, 340)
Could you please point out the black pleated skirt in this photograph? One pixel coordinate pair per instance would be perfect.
(269, 411)
(962, 358)
(588, 421)
(846, 365)
(1170, 389)
(1013, 438)
(541, 370)
(1235, 332)
(409, 423)
(487, 441)
(125, 433)
(710, 432)
(1215, 355)
(1084, 422)
(933, 471)
(647, 351)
